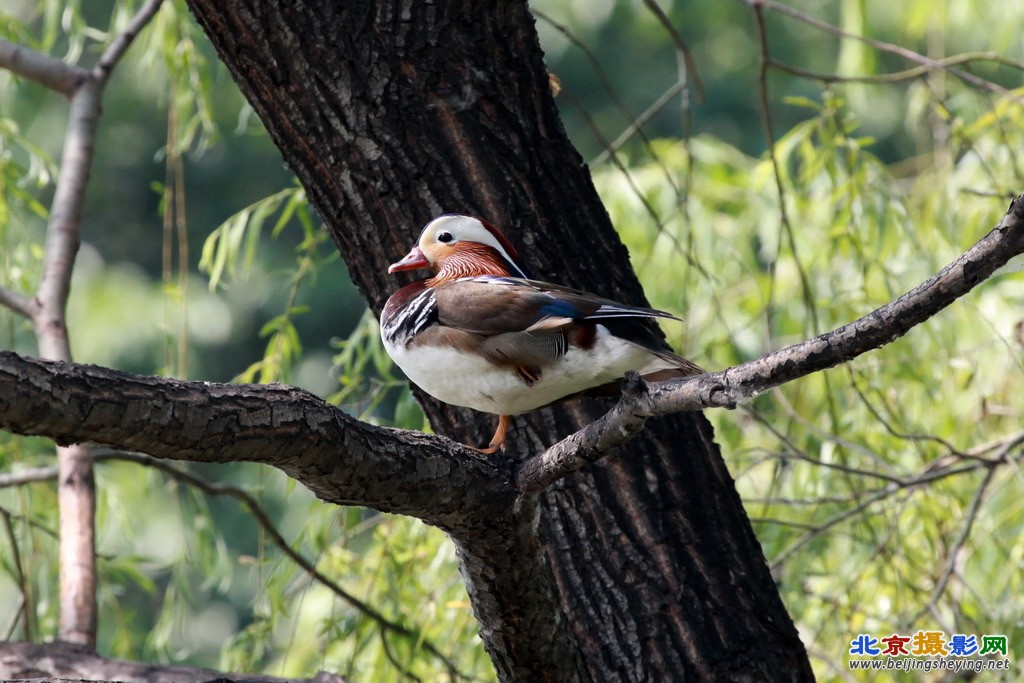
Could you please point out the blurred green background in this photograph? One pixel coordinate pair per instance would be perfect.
(866, 484)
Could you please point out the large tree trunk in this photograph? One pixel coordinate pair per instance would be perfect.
(393, 112)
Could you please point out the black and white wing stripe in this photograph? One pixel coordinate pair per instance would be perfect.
(411, 319)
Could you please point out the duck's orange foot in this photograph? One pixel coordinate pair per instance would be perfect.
(498, 440)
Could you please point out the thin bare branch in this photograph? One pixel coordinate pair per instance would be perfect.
(926, 476)
(41, 68)
(815, 530)
(900, 76)
(112, 55)
(797, 454)
(680, 46)
(958, 545)
(634, 128)
(787, 225)
(881, 419)
(27, 607)
(17, 302)
(638, 123)
(29, 476)
(15, 619)
(883, 46)
(76, 489)
(826, 435)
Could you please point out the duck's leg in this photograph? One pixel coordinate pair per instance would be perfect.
(498, 440)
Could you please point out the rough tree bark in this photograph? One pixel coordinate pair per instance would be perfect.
(391, 113)
(63, 662)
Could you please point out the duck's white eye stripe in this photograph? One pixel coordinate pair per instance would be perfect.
(455, 228)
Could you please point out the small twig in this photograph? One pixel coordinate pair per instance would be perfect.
(1003, 445)
(39, 526)
(815, 530)
(808, 502)
(15, 618)
(29, 476)
(394, 660)
(638, 123)
(899, 76)
(680, 46)
(635, 127)
(112, 55)
(961, 540)
(778, 521)
(824, 434)
(883, 46)
(17, 302)
(28, 609)
(798, 454)
(918, 438)
(914, 483)
(628, 175)
(786, 224)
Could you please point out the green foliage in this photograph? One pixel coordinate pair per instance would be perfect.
(25, 171)
(222, 248)
(860, 480)
(169, 51)
(230, 250)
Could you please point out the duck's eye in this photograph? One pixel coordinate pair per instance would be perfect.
(444, 237)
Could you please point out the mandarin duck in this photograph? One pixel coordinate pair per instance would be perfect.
(482, 335)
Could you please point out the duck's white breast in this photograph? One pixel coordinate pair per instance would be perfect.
(465, 379)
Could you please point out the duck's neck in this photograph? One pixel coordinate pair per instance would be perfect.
(472, 260)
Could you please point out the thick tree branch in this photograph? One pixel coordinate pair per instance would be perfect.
(727, 388)
(341, 459)
(66, 662)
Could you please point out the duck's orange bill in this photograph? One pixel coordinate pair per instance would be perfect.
(411, 261)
